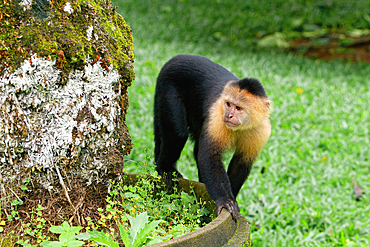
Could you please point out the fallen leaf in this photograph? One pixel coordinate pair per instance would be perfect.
(357, 189)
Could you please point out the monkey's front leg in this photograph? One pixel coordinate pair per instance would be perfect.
(238, 172)
(214, 176)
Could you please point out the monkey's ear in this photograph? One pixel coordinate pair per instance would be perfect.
(268, 104)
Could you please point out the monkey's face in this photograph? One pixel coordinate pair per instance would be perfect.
(243, 110)
(234, 115)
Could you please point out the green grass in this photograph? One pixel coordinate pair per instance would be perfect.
(320, 138)
(237, 23)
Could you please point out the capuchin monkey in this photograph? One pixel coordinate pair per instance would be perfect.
(197, 97)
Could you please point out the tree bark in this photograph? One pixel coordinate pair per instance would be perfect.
(64, 71)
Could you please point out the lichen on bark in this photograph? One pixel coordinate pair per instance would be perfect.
(64, 71)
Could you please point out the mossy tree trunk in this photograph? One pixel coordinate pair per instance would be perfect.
(64, 71)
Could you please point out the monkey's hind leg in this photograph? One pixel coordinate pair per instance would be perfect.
(170, 130)
(196, 151)
(170, 151)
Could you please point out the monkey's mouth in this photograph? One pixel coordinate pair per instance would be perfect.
(231, 124)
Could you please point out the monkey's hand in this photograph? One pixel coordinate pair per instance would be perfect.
(231, 206)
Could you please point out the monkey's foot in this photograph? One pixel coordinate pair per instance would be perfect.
(171, 179)
(230, 205)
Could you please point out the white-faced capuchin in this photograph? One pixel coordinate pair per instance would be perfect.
(220, 112)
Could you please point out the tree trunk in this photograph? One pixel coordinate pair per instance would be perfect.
(64, 71)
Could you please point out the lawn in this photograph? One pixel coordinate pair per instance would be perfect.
(300, 190)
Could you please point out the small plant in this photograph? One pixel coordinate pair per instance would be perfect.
(176, 208)
(140, 228)
(133, 237)
(14, 215)
(179, 213)
(144, 214)
(36, 224)
(67, 236)
(25, 243)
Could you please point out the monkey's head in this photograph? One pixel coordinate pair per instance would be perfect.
(245, 104)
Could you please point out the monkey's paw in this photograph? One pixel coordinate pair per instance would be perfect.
(231, 206)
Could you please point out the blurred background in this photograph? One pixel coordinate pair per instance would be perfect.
(312, 58)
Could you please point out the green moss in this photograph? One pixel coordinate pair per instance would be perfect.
(62, 36)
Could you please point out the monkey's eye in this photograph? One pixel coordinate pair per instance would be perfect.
(228, 104)
(238, 108)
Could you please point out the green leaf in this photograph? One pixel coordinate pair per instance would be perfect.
(75, 229)
(137, 224)
(75, 243)
(274, 40)
(346, 41)
(16, 203)
(310, 27)
(51, 244)
(296, 22)
(358, 32)
(66, 225)
(25, 243)
(321, 41)
(24, 187)
(124, 235)
(186, 198)
(315, 33)
(57, 229)
(83, 236)
(131, 195)
(156, 240)
(66, 237)
(141, 236)
(98, 237)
